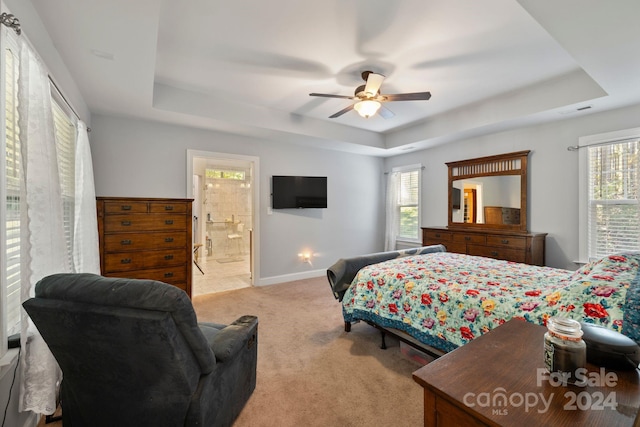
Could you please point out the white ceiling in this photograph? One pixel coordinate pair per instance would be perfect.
(248, 66)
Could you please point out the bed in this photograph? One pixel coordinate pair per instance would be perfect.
(444, 300)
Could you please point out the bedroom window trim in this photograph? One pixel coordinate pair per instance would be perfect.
(587, 227)
(415, 183)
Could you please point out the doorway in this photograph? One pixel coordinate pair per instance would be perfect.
(223, 187)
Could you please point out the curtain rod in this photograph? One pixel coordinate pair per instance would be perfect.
(595, 144)
(55, 86)
(387, 173)
(11, 21)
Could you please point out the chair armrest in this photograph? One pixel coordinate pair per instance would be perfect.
(243, 333)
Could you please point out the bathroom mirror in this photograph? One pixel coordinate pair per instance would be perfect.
(489, 192)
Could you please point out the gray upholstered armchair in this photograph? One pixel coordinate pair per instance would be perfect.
(133, 354)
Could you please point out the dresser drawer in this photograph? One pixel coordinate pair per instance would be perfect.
(168, 207)
(171, 275)
(459, 248)
(507, 241)
(143, 222)
(126, 261)
(469, 238)
(139, 241)
(449, 415)
(436, 236)
(123, 261)
(515, 255)
(165, 258)
(125, 206)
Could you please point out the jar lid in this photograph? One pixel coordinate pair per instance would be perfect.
(564, 327)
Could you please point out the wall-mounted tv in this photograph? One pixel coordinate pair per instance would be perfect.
(295, 192)
(455, 198)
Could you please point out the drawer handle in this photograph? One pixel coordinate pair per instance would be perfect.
(505, 241)
(125, 223)
(168, 208)
(494, 253)
(169, 222)
(438, 235)
(125, 242)
(125, 207)
(168, 240)
(168, 274)
(467, 238)
(168, 257)
(125, 261)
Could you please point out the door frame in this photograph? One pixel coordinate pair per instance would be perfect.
(255, 205)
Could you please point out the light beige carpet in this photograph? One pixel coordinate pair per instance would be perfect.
(311, 372)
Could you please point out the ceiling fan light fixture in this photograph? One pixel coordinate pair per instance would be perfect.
(367, 108)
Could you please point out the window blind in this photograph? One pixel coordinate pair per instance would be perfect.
(613, 217)
(13, 178)
(65, 136)
(408, 202)
(13, 170)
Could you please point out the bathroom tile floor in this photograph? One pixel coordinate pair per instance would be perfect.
(222, 274)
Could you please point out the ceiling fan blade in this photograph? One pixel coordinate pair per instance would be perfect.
(341, 112)
(373, 84)
(417, 96)
(328, 95)
(386, 113)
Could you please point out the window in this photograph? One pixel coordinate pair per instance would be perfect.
(12, 209)
(225, 174)
(11, 243)
(65, 133)
(408, 203)
(610, 214)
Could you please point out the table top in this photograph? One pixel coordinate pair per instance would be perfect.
(500, 378)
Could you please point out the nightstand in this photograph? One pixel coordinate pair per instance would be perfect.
(499, 379)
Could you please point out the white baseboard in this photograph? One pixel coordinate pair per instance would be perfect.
(290, 277)
(32, 421)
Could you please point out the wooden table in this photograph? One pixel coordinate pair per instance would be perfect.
(499, 379)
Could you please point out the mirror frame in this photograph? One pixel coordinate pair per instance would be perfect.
(515, 163)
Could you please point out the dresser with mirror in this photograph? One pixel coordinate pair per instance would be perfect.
(487, 210)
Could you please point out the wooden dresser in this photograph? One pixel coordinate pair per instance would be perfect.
(509, 245)
(146, 238)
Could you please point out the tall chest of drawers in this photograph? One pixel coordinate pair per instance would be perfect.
(514, 246)
(146, 238)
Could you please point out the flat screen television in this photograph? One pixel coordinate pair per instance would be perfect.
(455, 198)
(296, 192)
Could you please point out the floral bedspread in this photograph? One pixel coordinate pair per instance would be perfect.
(445, 299)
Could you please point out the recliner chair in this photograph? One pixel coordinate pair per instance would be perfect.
(133, 354)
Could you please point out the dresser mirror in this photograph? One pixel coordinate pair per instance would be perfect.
(489, 192)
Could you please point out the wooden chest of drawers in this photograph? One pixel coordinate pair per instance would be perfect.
(514, 246)
(146, 238)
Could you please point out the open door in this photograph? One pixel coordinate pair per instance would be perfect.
(225, 197)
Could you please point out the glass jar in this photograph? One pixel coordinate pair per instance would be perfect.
(564, 349)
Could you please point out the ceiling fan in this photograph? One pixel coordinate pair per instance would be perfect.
(370, 100)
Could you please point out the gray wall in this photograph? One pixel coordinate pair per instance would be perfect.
(134, 158)
(10, 400)
(553, 174)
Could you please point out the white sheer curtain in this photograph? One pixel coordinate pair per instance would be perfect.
(42, 231)
(391, 227)
(86, 253)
